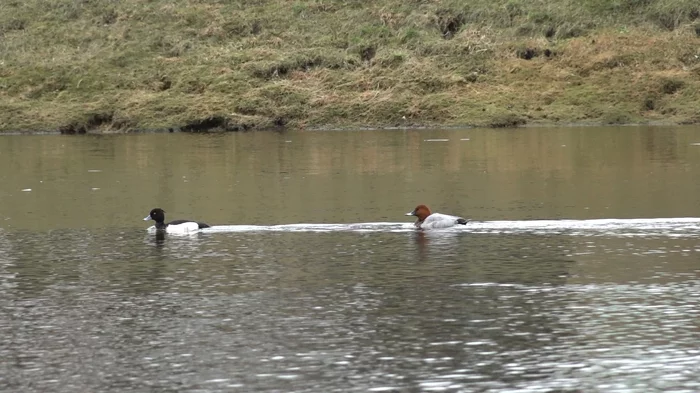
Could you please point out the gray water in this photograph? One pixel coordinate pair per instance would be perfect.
(579, 273)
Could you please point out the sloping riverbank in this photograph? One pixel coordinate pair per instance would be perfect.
(108, 66)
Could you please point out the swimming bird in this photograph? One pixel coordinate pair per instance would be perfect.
(429, 220)
(177, 226)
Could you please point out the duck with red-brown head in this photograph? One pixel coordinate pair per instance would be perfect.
(430, 220)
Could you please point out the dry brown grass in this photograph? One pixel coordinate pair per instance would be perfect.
(136, 65)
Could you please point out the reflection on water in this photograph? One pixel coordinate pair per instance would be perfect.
(347, 311)
(331, 177)
(91, 301)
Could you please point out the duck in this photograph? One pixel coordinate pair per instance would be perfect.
(177, 226)
(429, 220)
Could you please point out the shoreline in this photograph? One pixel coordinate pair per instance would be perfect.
(173, 130)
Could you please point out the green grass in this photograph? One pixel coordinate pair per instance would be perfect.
(84, 65)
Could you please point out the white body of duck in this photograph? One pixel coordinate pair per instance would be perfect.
(429, 220)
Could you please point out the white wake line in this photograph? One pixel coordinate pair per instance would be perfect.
(681, 227)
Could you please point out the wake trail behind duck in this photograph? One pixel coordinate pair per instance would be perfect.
(671, 227)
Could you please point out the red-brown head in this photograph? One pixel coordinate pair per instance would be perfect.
(421, 211)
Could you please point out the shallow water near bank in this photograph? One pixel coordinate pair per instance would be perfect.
(579, 272)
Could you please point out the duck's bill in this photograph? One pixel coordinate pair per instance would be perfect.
(147, 218)
(413, 213)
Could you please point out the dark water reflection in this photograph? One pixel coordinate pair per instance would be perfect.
(124, 311)
(102, 305)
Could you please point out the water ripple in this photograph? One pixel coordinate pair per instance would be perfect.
(346, 311)
(667, 227)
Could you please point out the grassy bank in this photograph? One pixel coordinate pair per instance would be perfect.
(76, 65)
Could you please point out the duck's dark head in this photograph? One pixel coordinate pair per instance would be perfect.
(157, 215)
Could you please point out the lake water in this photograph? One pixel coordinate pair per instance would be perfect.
(580, 273)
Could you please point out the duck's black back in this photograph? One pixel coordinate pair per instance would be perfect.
(201, 224)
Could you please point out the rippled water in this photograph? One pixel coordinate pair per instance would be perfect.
(317, 292)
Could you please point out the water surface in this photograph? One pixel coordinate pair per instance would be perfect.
(579, 273)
